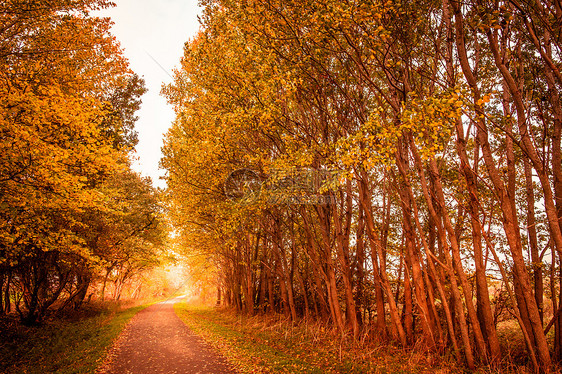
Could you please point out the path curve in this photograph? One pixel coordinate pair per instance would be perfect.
(157, 341)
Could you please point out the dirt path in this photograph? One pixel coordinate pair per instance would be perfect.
(157, 341)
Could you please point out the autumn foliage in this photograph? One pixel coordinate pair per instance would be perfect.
(440, 125)
(72, 212)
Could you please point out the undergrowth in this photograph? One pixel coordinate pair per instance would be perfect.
(272, 344)
(74, 343)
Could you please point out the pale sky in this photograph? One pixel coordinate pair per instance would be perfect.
(152, 34)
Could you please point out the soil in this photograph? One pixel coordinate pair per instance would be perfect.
(157, 341)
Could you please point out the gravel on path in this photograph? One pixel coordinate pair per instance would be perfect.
(157, 341)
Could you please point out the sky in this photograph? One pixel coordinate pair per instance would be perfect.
(152, 34)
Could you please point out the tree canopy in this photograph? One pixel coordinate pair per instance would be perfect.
(432, 130)
(69, 202)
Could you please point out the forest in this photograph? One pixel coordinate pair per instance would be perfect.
(390, 167)
(75, 220)
(387, 170)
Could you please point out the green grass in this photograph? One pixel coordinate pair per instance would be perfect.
(263, 344)
(62, 345)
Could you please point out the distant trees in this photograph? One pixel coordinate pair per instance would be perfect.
(67, 102)
(442, 120)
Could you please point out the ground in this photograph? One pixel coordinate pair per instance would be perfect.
(157, 341)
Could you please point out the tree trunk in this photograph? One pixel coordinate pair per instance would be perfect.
(342, 245)
(397, 328)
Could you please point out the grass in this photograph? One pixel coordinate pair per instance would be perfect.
(70, 345)
(265, 344)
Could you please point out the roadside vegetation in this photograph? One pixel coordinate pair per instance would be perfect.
(76, 221)
(76, 343)
(273, 344)
(382, 166)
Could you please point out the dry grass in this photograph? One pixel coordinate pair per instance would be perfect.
(72, 343)
(273, 344)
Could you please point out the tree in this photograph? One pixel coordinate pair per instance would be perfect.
(442, 124)
(67, 102)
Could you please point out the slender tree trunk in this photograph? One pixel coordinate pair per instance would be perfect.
(556, 233)
(397, 328)
(320, 274)
(304, 295)
(342, 235)
(330, 269)
(457, 301)
(482, 295)
(411, 255)
(7, 300)
(262, 287)
(2, 283)
(360, 263)
(271, 303)
(509, 218)
(408, 309)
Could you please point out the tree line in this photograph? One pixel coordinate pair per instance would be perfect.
(442, 121)
(73, 214)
